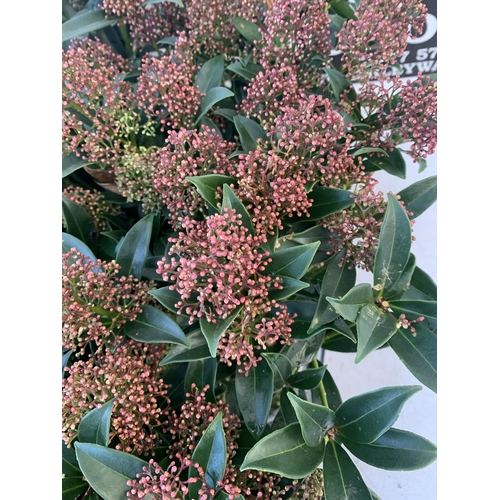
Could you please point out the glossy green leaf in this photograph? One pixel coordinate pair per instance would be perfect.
(247, 71)
(286, 414)
(69, 241)
(290, 286)
(181, 354)
(303, 312)
(403, 283)
(70, 467)
(301, 352)
(419, 196)
(314, 419)
(394, 247)
(375, 327)
(342, 8)
(341, 478)
(210, 455)
(65, 359)
(248, 29)
(337, 281)
(281, 366)
(212, 97)
(134, 249)
(250, 132)
(178, 2)
(227, 113)
(231, 201)
(422, 165)
(285, 452)
(154, 326)
(366, 417)
(415, 308)
(168, 40)
(85, 22)
(78, 222)
(395, 450)
(94, 426)
(255, 393)
(108, 470)
(167, 298)
(311, 235)
(422, 286)
(207, 122)
(73, 487)
(213, 332)
(327, 201)
(350, 304)
(307, 379)
(393, 163)
(207, 186)
(201, 373)
(364, 151)
(338, 82)
(71, 163)
(210, 74)
(339, 343)
(292, 262)
(418, 352)
(332, 392)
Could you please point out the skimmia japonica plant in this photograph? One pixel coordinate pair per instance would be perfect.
(219, 196)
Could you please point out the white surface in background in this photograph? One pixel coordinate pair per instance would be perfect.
(383, 368)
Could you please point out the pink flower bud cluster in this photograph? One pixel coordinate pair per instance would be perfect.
(375, 40)
(294, 31)
(189, 153)
(96, 301)
(131, 374)
(219, 262)
(407, 324)
(94, 203)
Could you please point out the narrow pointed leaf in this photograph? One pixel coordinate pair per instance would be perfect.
(375, 327)
(327, 201)
(70, 467)
(394, 246)
(364, 151)
(248, 29)
(307, 379)
(366, 417)
(178, 2)
(337, 281)
(286, 414)
(292, 262)
(94, 426)
(422, 286)
(338, 82)
(78, 222)
(314, 419)
(414, 308)
(420, 196)
(227, 113)
(207, 186)
(254, 394)
(350, 304)
(342, 8)
(281, 366)
(212, 97)
(167, 298)
(290, 287)
(301, 352)
(303, 311)
(392, 162)
(85, 22)
(247, 71)
(154, 326)
(210, 74)
(250, 132)
(181, 354)
(395, 450)
(231, 201)
(285, 452)
(71, 163)
(201, 373)
(108, 470)
(341, 478)
(213, 332)
(134, 249)
(69, 241)
(210, 455)
(403, 283)
(73, 487)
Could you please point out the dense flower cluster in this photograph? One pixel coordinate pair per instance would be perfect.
(97, 301)
(132, 376)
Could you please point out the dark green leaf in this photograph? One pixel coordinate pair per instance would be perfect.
(292, 262)
(419, 196)
(303, 311)
(422, 165)
(307, 379)
(180, 354)
(314, 419)
(342, 8)
(332, 393)
(364, 151)
(418, 351)
(395, 450)
(415, 308)
(222, 495)
(65, 359)
(168, 40)
(174, 376)
(167, 298)
(422, 285)
(250, 132)
(85, 22)
(227, 113)
(73, 487)
(285, 452)
(366, 417)
(72, 163)
(207, 186)
(394, 247)
(393, 163)
(210, 74)
(350, 304)
(327, 201)
(337, 281)
(231, 201)
(111, 241)
(290, 287)
(403, 283)
(339, 83)
(281, 366)
(249, 30)
(301, 352)
(255, 393)
(69, 241)
(134, 249)
(107, 470)
(70, 466)
(211, 125)
(339, 343)
(213, 332)
(154, 326)
(210, 455)
(201, 373)
(311, 235)
(94, 426)
(247, 71)
(375, 327)
(78, 222)
(149, 2)
(212, 97)
(341, 478)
